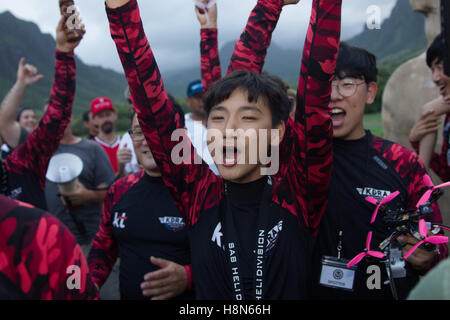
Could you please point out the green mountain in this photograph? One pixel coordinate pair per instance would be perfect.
(401, 37)
(282, 62)
(20, 38)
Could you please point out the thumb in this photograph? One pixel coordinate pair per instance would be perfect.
(21, 62)
(162, 263)
(125, 146)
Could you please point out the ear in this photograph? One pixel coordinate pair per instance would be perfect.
(275, 140)
(372, 89)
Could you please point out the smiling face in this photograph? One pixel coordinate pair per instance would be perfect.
(243, 120)
(440, 79)
(142, 150)
(28, 120)
(348, 100)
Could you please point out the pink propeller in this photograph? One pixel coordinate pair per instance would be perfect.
(426, 196)
(367, 252)
(423, 230)
(374, 201)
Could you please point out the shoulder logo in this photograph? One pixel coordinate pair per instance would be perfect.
(172, 223)
(15, 193)
(273, 235)
(380, 162)
(119, 220)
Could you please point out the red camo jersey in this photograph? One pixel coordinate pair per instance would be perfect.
(38, 255)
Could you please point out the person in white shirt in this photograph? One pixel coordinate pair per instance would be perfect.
(195, 123)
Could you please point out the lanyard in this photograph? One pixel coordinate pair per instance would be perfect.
(233, 249)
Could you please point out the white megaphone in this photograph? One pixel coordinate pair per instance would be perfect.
(64, 170)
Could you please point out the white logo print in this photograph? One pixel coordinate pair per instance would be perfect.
(273, 235)
(172, 223)
(217, 235)
(374, 193)
(119, 221)
(16, 193)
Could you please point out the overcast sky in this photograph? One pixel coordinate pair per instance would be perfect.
(173, 29)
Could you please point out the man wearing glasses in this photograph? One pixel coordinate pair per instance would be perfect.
(365, 166)
(142, 226)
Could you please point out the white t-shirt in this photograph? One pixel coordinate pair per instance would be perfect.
(197, 133)
(133, 166)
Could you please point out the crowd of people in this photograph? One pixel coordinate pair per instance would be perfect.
(182, 207)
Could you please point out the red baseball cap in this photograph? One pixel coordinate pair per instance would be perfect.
(100, 104)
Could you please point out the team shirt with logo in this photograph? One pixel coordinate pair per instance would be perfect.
(299, 190)
(139, 220)
(368, 167)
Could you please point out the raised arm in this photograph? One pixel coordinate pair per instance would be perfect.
(251, 49)
(9, 126)
(209, 47)
(156, 115)
(306, 151)
(42, 143)
(428, 125)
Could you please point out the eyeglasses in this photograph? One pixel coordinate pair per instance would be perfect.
(346, 88)
(137, 135)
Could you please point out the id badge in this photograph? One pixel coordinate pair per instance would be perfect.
(335, 274)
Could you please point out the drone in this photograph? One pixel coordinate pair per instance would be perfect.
(404, 222)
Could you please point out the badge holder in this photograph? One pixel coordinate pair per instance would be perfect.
(335, 273)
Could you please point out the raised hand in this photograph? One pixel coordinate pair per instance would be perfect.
(65, 38)
(206, 11)
(27, 74)
(287, 2)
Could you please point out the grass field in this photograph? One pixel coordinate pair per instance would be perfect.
(373, 123)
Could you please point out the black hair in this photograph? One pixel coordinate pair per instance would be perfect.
(21, 110)
(257, 86)
(436, 50)
(357, 63)
(86, 116)
(176, 107)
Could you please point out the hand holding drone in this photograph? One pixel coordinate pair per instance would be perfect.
(405, 222)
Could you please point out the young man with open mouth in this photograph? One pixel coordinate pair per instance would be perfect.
(366, 166)
(250, 234)
(424, 133)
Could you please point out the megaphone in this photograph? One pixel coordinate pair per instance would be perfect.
(64, 170)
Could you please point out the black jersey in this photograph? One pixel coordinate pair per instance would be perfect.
(368, 167)
(139, 220)
(297, 196)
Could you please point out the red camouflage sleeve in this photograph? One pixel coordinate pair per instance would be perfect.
(209, 61)
(251, 49)
(193, 186)
(304, 175)
(439, 162)
(412, 170)
(48, 262)
(42, 143)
